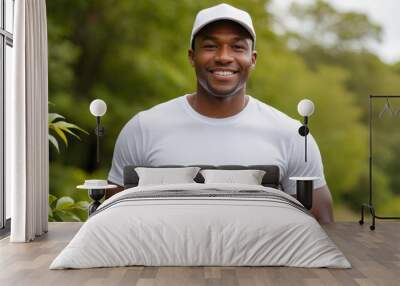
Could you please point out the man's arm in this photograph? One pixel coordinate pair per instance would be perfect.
(322, 205)
(322, 208)
(127, 151)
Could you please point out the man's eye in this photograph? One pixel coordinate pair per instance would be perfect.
(238, 47)
(210, 46)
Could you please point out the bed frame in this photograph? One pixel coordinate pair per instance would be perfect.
(270, 179)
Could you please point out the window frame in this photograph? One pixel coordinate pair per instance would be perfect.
(6, 39)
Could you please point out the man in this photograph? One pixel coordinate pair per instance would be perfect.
(219, 124)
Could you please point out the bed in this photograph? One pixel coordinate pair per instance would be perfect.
(201, 224)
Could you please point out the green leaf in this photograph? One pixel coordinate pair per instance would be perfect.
(64, 203)
(53, 141)
(61, 134)
(56, 217)
(67, 125)
(52, 199)
(62, 127)
(70, 132)
(54, 116)
(67, 216)
(70, 125)
(83, 204)
(50, 212)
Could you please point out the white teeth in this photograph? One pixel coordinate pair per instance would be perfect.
(223, 73)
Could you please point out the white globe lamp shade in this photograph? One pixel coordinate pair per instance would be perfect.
(305, 107)
(98, 107)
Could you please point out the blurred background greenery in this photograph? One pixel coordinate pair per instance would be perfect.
(133, 55)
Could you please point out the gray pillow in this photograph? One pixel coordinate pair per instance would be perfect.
(248, 177)
(164, 176)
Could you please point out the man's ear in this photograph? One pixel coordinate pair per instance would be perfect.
(191, 56)
(253, 59)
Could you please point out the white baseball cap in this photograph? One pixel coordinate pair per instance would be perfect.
(223, 12)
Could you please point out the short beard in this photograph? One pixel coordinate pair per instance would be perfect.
(207, 88)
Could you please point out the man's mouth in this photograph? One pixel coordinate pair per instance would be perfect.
(223, 73)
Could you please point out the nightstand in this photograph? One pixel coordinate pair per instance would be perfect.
(304, 190)
(96, 190)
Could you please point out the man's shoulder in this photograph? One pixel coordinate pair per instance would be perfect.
(168, 105)
(166, 108)
(158, 112)
(276, 116)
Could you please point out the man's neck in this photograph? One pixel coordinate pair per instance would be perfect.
(217, 107)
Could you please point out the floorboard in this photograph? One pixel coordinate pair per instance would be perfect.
(374, 255)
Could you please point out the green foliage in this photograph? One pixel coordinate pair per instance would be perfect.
(66, 209)
(329, 28)
(65, 178)
(365, 74)
(133, 55)
(60, 127)
(72, 202)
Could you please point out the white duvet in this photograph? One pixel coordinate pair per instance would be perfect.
(182, 231)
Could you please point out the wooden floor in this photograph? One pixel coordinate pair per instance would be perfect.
(374, 255)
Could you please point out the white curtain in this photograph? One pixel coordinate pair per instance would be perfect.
(26, 124)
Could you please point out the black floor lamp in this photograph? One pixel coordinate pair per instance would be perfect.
(98, 108)
(305, 185)
(369, 205)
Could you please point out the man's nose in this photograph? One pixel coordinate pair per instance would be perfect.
(223, 55)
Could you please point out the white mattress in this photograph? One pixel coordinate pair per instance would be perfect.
(183, 231)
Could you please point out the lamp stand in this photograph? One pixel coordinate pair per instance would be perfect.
(99, 131)
(303, 131)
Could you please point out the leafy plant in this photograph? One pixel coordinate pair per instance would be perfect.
(66, 209)
(61, 127)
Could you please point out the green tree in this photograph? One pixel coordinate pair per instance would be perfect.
(341, 39)
(133, 55)
(323, 26)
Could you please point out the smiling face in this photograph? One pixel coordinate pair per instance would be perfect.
(222, 58)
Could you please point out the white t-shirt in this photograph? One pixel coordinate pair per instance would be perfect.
(174, 133)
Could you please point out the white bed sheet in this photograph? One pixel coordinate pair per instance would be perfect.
(200, 231)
